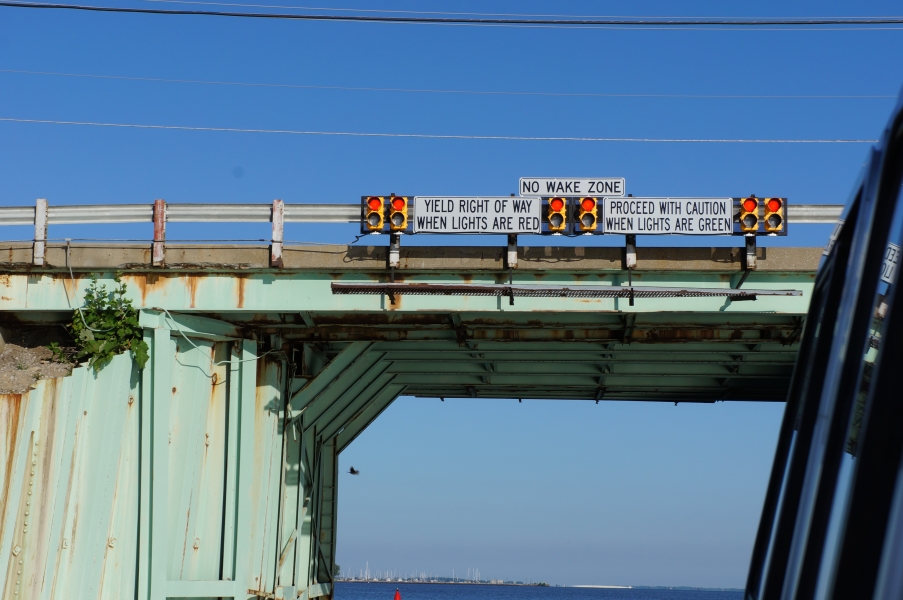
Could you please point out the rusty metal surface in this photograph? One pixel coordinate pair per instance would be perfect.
(103, 477)
(545, 291)
(17, 256)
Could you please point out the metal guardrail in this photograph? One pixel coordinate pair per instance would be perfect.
(278, 213)
(262, 213)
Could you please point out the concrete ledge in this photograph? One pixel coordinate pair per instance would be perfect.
(17, 257)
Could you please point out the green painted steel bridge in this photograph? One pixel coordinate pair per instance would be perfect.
(212, 472)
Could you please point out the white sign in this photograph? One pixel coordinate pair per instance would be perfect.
(559, 186)
(891, 260)
(458, 214)
(656, 216)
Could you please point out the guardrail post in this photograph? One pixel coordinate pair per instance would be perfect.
(277, 238)
(40, 232)
(158, 254)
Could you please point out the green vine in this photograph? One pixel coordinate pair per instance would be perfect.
(107, 325)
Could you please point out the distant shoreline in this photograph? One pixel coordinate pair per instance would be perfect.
(609, 587)
(444, 583)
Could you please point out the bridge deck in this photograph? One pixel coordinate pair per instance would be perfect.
(686, 349)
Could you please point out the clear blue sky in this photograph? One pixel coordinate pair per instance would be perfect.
(565, 492)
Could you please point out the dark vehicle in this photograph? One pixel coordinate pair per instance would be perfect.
(832, 524)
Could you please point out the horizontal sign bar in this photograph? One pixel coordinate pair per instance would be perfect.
(560, 186)
(657, 216)
(476, 214)
(549, 291)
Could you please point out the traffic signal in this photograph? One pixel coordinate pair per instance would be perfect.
(749, 215)
(373, 207)
(588, 214)
(398, 213)
(774, 215)
(557, 214)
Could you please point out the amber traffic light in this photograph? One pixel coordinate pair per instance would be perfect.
(398, 213)
(774, 215)
(749, 215)
(588, 214)
(373, 208)
(557, 214)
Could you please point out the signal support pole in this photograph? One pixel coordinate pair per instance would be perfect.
(630, 262)
(750, 253)
(511, 257)
(394, 251)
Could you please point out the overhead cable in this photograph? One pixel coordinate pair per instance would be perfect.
(441, 12)
(652, 21)
(446, 136)
(450, 91)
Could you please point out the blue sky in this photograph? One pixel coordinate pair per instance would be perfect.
(566, 492)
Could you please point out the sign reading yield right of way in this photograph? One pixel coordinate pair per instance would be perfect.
(687, 216)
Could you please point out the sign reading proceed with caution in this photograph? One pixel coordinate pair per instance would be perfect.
(651, 216)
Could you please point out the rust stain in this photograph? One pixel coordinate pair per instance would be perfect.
(4, 279)
(10, 412)
(191, 282)
(71, 284)
(150, 282)
(241, 280)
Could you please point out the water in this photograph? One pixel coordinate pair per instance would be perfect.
(419, 591)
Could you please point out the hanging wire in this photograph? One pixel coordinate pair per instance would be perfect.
(449, 136)
(69, 302)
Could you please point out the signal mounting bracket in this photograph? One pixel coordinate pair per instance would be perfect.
(630, 252)
(750, 253)
(394, 250)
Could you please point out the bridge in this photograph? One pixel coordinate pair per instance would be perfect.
(212, 471)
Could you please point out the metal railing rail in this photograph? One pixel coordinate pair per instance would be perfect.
(262, 213)
(160, 212)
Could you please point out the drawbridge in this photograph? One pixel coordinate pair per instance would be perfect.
(213, 471)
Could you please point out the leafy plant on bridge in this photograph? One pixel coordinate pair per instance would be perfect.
(105, 326)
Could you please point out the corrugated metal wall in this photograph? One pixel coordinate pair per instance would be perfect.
(159, 483)
(69, 485)
(186, 479)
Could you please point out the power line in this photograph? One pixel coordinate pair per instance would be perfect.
(443, 136)
(446, 91)
(473, 21)
(438, 12)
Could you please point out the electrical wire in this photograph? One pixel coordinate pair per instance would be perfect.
(445, 136)
(222, 362)
(437, 12)
(444, 91)
(69, 302)
(472, 21)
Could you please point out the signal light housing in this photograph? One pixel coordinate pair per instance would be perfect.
(372, 212)
(556, 215)
(398, 213)
(774, 215)
(587, 214)
(749, 215)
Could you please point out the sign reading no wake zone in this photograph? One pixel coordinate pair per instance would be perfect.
(562, 186)
(657, 216)
(483, 214)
